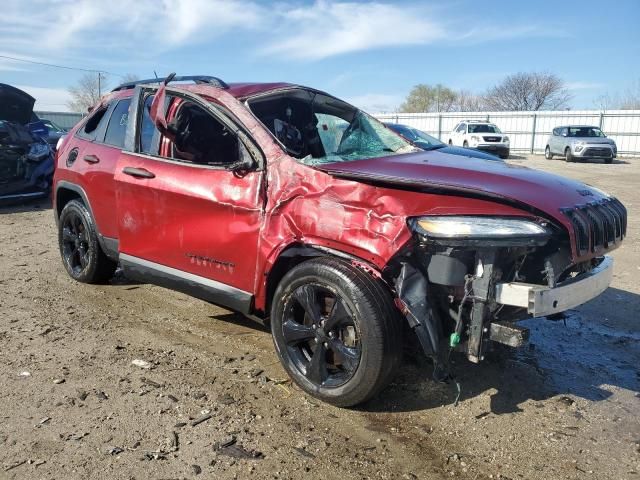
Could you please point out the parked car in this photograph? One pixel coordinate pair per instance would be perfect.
(580, 142)
(26, 160)
(427, 142)
(54, 132)
(481, 135)
(297, 209)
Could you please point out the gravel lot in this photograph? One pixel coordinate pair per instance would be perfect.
(215, 402)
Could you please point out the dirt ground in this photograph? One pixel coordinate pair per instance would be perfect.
(215, 402)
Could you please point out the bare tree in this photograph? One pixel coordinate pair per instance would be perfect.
(631, 98)
(129, 77)
(528, 91)
(426, 98)
(468, 102)
(87, 92)
(628, 100)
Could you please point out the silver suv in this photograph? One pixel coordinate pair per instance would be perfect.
(580, 142)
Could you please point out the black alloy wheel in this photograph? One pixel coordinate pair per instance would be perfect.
(76, 250)
(322, 338)
(80, 249)
(336, 330)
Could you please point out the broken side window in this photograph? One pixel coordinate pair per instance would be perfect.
(91, 126)
(201, 138)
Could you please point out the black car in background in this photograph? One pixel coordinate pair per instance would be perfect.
(26, 158)
(426, 142)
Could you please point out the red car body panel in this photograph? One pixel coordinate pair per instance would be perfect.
(232, 228)
(545, 192)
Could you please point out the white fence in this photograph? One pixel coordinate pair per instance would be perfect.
(528, 131)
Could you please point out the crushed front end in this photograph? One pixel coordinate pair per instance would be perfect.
(464, 281)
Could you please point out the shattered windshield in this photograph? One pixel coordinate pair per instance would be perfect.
(318, 129)
(364, 137)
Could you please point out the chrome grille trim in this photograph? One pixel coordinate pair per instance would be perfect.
(597, 226)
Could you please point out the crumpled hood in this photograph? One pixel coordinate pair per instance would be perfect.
(15, 104)
(522, 186)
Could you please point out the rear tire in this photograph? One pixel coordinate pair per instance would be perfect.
(567, 155)
(82, 256)
(336, 331)
(547, 153)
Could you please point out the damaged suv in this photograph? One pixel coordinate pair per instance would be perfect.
(295, 208)
(26, 159)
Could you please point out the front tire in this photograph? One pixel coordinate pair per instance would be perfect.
(567, 155)
(547, 153)
(465, 144)
(608, 160)
(336, 331)
(82, 256)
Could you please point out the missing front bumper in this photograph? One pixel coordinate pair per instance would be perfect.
(540, 300)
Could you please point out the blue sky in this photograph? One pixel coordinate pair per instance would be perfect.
(370, 53)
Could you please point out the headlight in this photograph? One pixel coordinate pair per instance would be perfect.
(578, 146)
(60, 142)
(505, 139)
(474, 229)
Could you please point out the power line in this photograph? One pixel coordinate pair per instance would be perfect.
(60, 66)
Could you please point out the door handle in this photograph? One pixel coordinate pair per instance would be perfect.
(138, 172)
(91, 159)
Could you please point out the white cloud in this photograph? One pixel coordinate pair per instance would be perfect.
(48, 98)
(90, 32)
(492, 33)
(93, 24)
(327, 28)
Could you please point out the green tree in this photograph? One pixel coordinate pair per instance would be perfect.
(429, 98)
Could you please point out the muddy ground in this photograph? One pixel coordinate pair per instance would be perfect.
(215, 402)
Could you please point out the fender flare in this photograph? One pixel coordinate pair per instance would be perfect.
(309, 250)
(64, 184)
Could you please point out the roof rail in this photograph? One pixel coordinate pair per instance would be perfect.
(199, 79)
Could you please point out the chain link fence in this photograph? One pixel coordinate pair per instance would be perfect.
(529, 131)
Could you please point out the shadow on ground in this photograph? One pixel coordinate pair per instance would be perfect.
(593, 349)
(32, 206)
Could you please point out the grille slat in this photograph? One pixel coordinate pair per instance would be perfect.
(598, 225)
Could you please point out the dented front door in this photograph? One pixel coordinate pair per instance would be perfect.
(195, 219)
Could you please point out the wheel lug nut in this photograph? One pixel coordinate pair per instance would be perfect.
(326, 344)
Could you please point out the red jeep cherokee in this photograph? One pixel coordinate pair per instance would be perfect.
(294, 207)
